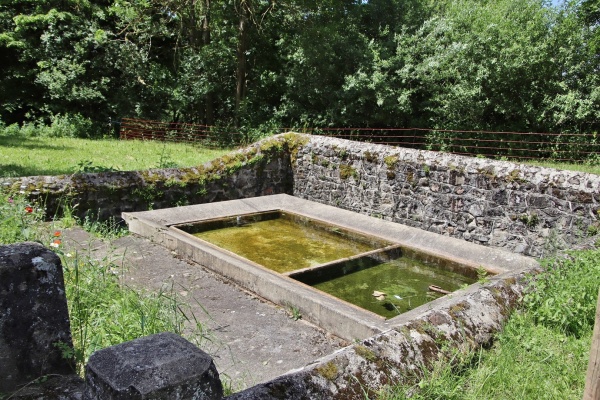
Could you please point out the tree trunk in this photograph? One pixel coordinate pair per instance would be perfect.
(592, 380)
(240, 91)
(209, 113)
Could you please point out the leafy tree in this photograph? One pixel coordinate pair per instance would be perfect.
(55, 59)
(463, 64)
(575, 105)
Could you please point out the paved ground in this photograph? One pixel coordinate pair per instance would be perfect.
(251, 340)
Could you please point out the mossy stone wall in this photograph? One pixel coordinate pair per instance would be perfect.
(260, 169)
(525, 209)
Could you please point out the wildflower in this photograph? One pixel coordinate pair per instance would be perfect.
(55, 243)
(10, 200)
(29, 209)
(68, 255)
(56, 233)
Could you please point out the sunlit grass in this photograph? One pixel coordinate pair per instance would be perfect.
(542, 351)
(582, 167)
(25, 156)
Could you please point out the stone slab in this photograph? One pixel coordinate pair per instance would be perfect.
(34, 321)
(161, 366)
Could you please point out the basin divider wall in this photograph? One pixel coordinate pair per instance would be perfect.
(346, 265)
(338, 317)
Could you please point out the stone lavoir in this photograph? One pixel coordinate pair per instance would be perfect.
(525, 210)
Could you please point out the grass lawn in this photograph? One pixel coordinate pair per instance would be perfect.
(542, 352)
(25, 156)
(590, 168)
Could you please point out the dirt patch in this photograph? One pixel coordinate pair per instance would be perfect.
(251, 340)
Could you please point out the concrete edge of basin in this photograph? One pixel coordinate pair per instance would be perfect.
(340, 318)
(389, 350)
(465, 322)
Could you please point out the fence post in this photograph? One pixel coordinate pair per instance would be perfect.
(592, 379)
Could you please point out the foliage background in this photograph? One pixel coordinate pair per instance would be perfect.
(522, 65)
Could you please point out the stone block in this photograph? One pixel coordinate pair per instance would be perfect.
(161, 366)
(34, 321)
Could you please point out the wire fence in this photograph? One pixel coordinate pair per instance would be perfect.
(203, 135)
(559, 147)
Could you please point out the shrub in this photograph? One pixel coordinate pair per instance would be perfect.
(60, 126)
(564, 296)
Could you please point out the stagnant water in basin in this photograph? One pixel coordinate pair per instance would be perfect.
(284, 245)
(404, 281)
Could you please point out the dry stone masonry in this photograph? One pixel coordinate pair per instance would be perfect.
(525, 209)
(258, 170)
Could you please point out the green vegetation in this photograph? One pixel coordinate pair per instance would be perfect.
(542, 352)
(582, 167)
(103, 311)
(507, 65)
(347, 171)
(24, 156)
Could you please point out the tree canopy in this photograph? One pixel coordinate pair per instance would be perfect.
(521, 65)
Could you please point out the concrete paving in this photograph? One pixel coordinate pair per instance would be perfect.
(250, 339)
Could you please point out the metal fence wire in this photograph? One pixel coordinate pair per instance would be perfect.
(559, 147)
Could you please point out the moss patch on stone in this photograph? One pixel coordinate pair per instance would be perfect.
(328, 371)
(347, 171)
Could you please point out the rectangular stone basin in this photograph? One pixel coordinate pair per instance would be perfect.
(282, 241)
(385, 282)
(176, 228)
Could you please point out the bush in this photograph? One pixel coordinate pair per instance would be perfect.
(565, 295)
(70, 126)
(60, 126)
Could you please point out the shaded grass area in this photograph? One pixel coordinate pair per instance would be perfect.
(103, 311)
(542, 352)
(27, 155)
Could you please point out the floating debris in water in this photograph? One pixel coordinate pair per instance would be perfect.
(379, 295)
(438, 289)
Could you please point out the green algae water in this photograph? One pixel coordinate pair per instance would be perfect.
(284, 245)
(404, 281)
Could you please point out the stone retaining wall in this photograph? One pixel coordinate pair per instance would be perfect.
(260, 169)
(525, 209)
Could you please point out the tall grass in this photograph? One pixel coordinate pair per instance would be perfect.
(103, 311)
(541, 353)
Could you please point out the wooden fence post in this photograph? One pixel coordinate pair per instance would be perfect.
(592, 379)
